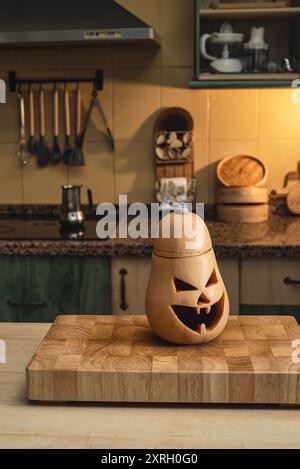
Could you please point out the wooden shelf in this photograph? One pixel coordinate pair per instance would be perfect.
(244, 80)
(248, 76)
(249, 13)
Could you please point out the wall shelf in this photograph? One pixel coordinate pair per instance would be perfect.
(245, 80)
(250, 76)
(211, 84)
(249, 13)
(283, 33)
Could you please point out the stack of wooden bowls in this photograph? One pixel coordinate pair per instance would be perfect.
(242, 196)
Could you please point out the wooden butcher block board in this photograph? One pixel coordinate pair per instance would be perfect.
(119, 359)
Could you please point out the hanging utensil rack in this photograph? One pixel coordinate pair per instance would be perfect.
(15, 82)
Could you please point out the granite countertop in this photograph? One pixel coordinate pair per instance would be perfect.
(279, 237)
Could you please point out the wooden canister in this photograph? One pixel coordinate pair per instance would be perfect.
(255, 213)
(242, 195)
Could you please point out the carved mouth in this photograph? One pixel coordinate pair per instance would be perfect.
(200, 319)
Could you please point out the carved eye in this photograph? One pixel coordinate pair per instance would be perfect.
(180, 285)
(213, 279)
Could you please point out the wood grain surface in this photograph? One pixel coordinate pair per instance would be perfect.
(24, 424)
(254, 213)
(119, 359)
(242, 195)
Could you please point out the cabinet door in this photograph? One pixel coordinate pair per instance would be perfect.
(229, 269)
(130, 277)
(262, 282)
(11, 288)
(44, 287)
(264, 291)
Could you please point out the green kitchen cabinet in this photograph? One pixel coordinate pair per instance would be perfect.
(37, 289)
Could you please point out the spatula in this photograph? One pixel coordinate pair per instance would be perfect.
(77, 158)
(32, 144)
(68, 150)
(55, 150)
(43, 152)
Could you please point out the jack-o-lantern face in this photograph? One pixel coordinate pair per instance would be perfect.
(206, 314)
(186, 301)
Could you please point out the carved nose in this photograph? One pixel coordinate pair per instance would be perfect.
(202, 299)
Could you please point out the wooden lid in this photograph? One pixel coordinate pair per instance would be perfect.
(241, 170)
(187, 236)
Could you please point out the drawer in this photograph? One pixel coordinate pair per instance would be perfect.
(262, 282)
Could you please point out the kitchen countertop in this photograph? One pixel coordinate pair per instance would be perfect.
(32, 425)
(279, 237)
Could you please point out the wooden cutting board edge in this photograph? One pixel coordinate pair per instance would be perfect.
(177, 386)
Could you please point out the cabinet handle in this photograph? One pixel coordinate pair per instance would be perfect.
(123, 304)
(290, 281)
(38, 304)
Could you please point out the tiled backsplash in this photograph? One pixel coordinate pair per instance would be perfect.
(139, 82)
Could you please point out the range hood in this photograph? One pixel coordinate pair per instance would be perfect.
(33, 22)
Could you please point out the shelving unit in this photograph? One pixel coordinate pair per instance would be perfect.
(282, 27)
(249, 13)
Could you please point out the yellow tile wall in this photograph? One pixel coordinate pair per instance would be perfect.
(139, 82)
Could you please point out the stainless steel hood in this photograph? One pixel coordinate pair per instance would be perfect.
(34, 22)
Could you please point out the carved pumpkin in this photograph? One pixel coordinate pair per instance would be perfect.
(186, 301)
